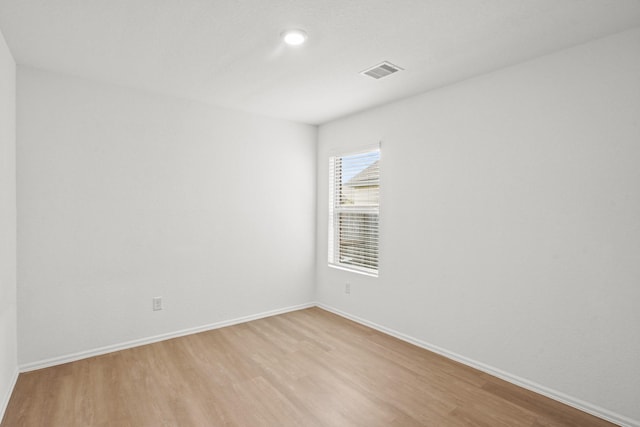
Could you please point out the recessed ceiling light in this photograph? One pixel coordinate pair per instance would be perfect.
(294, 37)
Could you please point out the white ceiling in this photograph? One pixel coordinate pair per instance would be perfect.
(228, 52)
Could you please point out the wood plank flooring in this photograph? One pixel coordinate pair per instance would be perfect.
(305, 368)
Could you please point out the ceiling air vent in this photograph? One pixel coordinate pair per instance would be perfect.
(381, 70)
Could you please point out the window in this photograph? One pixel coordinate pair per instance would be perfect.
(354, 189)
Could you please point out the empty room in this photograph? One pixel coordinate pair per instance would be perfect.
(319, 213)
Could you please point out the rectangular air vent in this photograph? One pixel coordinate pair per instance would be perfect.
(381, 70)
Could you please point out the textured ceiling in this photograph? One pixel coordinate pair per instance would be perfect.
(228, 52)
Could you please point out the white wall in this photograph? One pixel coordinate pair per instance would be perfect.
(8, 340)
(125, 195)
(510, 221)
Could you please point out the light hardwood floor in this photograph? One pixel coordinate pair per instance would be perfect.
(305, 368)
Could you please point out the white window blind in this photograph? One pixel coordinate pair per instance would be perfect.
(354, 190)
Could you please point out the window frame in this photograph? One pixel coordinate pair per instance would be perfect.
(335, 210)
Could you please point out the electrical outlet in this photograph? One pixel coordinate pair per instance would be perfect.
(347, 288)
(157, 303)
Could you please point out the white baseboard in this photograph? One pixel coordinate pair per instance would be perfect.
(149, 340)
(7, 396)
(514, 379)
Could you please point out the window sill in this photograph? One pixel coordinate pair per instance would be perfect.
(353, 270)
